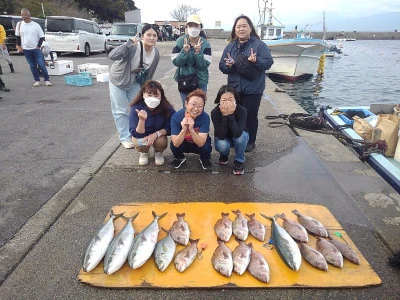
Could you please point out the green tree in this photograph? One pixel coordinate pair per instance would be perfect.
(7, 6)
(182, 11)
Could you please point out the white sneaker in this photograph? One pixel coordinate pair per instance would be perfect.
(37, 83)
(127, 144)
(158, 158)
(143, 159)
(47, 83)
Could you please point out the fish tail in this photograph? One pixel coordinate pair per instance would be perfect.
(296, 212)
(182, 215)
(282, 216)
(251, 216)
(267, 217)
(112, 214)
(160, 216)
(193, 241)
(165, 230)
(236, 212)
(225, 214)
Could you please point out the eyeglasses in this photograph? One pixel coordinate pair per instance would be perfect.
(194, 105)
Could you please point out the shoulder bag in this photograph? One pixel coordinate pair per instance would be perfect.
(142, 72)
(245, 68)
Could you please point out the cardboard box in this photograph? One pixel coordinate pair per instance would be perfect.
(60, 67)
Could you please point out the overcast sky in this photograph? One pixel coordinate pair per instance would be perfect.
(286, 11)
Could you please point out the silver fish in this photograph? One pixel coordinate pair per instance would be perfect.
(239, 226)
(117, 252)
(346, 251)
(98, 245)
(256, 228)
(330, 252)
(311, 224)
(180, 231)
(241, 257)
(185, 257)
(315, 258)
(144, 243)
(222, 259)
(223, 227)
(164, 251)
(258, 266)
(285, 245)
(296, 230)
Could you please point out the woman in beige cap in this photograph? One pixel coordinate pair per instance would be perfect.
(192, 56)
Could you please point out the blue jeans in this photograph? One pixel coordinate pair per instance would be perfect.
(240, 143)
(186, 147)
(120, 100)
(184, 95)
(35, 59)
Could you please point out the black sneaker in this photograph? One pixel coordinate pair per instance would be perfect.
(206, 164)
(223, 160)
(250, 147)
(238, 168)
(178, 162)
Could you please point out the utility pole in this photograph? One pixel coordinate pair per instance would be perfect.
(44, 17)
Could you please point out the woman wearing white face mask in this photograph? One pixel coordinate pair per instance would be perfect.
(192, 55)
(149, 122)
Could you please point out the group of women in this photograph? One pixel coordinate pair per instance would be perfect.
(149, 118)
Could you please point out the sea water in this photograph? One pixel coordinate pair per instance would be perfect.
(366, 72)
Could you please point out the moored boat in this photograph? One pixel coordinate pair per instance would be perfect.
(387, 167)
(294, 58)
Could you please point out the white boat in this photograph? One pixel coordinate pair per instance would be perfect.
(294, 58)
(387, 167)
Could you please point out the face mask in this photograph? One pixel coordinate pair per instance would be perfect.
(152, 102)
(193, 31)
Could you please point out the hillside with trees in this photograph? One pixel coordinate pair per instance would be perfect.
(103, 10)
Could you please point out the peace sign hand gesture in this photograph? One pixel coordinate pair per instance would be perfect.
(186, 45)
(135, 39)
(253, 56)
(229, 61)
(197, 47)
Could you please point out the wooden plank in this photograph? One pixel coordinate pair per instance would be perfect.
(201, 274)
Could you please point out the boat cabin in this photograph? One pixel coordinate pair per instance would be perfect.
(270, 32)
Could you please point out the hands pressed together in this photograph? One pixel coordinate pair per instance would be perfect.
(227, 108)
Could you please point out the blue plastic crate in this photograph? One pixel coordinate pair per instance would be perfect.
(350, 122)
(78, 80)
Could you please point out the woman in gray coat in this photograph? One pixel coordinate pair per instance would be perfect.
(123, 82)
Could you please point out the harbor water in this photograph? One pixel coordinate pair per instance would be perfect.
(366, 72)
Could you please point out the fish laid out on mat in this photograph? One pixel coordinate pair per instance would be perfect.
(296, 230)
(330, 252)
(180, 231)
(256, 229)
(99, 243)
(164, 251)
(117, 252)
(346, 251)
(311, 224)
(315, 258)
(222, 259)
(144, 243)
(241, 257)
(223, 228)
(258, 266)
(185, 257)
(285, 245)
(239, 226)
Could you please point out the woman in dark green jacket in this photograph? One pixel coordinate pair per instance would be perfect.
(192, 55)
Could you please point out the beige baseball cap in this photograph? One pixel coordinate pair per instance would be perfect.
(193, 19)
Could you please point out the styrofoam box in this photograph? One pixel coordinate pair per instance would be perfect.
(99, 69)
(60, 67)
(102, 77)
(85, 67)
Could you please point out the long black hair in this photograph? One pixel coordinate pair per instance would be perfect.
(253, 30)
(227, 89)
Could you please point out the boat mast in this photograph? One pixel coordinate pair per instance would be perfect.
(324, 27)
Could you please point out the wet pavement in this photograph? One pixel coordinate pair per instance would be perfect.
(43, 257)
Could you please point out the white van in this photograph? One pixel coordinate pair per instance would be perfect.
(69, 34)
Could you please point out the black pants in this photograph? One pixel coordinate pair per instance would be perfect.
(252, 104)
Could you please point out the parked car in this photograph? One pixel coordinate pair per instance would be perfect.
(9, 23)
(69, 34)
(120, 33)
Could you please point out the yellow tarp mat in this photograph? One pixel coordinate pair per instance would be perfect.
(201, 218)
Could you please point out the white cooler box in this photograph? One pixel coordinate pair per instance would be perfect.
(60, 67)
